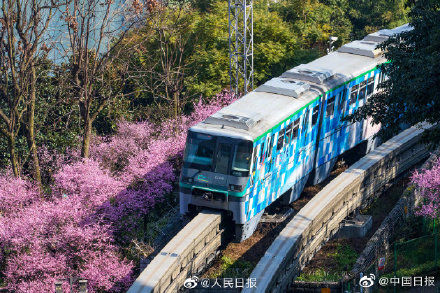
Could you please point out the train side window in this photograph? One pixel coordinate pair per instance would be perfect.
(280, 142)
(263, 152)
(362, 91)
(370, 86)
(330, 106)
(305, 122)
(341, 100)
(382, 77)
(353, 94)
(295, 129)
(315, 115)
(255, 160)
(288, 133)
(269, 148)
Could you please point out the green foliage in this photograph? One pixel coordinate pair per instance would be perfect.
(418, 270)
(345, 257)
(319, 275)
(159, 63)
(368, 16)
(416, 256)
(209, 64)
(57, 121)
(106, 122)
(233, 268)
(286, 33)
(195, 38)
(315, 21)
(276, 48)
(57, 125)
(413, 246)
(412, 93)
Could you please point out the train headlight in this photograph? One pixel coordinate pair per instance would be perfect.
(233, 187)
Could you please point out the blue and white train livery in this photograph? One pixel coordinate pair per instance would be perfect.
(270, 141)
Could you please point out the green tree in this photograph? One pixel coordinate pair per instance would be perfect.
(315, 21)
(23, 28)
(94, 30)
(369, 16)
(412, 92)
(160, 58)
(57, 120)
(276, 48)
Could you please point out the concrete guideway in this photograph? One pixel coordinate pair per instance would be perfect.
(319, 220)
(186, 254)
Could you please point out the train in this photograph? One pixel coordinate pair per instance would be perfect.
(266, 145)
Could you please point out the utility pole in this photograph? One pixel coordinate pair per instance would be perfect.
(241, 46)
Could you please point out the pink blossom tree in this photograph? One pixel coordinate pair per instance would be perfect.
(76, 230)
(428, 183)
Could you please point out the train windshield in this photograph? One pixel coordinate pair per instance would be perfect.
(220, 155)
(242, 159)
(199, 151)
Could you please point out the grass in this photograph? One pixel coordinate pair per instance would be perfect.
(319, 276)
(233, 269)
(344, 257)
(419, 270)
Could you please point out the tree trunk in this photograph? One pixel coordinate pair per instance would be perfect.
(13, 156)
(176, 104)
(86, 135)
(31, 129)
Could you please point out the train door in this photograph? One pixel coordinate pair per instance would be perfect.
(369, 128)
(304, 138)
(254, 170)
(305, 128)
(342, 125)
(267, 166)
(356, 98)
(266, 157)
(269, 158)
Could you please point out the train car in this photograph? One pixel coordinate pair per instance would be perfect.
(269, 142)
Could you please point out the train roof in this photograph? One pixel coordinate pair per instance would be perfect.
(271, 103)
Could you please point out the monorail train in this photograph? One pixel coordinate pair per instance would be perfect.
(268, 143)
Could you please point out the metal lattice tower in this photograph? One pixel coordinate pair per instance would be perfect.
(241, 45)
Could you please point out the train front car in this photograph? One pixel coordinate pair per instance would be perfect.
(215, 173)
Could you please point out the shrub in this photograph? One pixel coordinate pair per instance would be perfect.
(428, 183)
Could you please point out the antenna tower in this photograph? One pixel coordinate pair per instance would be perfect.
(241, 46)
